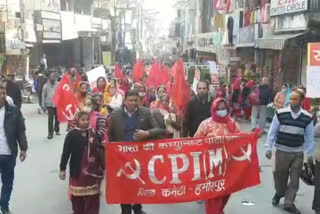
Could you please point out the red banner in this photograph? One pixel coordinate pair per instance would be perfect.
(181, 170)
(65, 100)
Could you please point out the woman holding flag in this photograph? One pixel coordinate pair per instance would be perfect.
(220, 123)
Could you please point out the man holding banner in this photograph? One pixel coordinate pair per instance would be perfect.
(291, 131)
(129, 124)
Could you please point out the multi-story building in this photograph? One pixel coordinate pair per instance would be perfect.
(67, 31)
(271, 35)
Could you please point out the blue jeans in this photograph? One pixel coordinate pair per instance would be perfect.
(7, 165)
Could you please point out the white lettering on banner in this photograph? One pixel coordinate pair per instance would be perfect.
(179, 144)
(279, 7)
(151, 169)
(175, 169)
(174, 192)
(148, 147)
(217, 159)
(128, 148)
(196, 165)
(221, 139)
(146, 192)
(216, 186)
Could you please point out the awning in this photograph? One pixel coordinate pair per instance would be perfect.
(245, 45)
(275, 42)
(206, 49)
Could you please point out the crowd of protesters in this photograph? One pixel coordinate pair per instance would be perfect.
(120, 109)
(112, 112)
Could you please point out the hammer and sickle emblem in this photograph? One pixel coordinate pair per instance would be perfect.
(246, 154)
(68, 110)
(135, 172)
(66, 87)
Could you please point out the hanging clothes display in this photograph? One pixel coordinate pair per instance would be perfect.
(219, 21)
(230, 26)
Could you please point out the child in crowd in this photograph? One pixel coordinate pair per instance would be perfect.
(85, 151)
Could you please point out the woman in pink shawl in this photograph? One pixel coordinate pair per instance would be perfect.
(220, 123)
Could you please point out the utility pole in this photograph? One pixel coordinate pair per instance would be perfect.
(113, 24)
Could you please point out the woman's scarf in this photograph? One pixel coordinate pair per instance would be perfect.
(107, 95)
(231, 125)
(82, 99)
(100, 90)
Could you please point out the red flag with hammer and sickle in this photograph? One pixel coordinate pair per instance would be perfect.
(65, 100)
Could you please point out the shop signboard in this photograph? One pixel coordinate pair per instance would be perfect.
(280, 7)
(106, 57)
(208, 40)
(51, 29)
(313, 70)
(48, 26)
(13, 33)
(291, 23)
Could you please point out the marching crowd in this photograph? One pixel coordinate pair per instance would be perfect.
(120, 109)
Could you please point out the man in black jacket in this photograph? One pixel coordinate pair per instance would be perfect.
(14, 91)
(198, 110)
(133, 123)
(259, 112)
(12, 135)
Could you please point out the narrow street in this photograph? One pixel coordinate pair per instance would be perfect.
(38, 190)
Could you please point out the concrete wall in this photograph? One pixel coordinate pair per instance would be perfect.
(85, 6)
(88, 52)
(304, 67)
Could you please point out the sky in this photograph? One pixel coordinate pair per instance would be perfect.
(166, 12)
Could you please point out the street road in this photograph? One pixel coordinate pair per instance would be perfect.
(37, 189)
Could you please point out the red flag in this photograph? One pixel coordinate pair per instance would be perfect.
(180, 92)
(65, 100)
(165, 77)
(173, 71)
(118, 73)
(138, 71)
(155, 73)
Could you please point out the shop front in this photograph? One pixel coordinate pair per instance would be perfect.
(49, 36)
(207, 45)
(280, 53)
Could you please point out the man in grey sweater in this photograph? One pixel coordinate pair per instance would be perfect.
(47, 95)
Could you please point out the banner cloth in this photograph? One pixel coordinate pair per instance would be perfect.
(181, 170)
